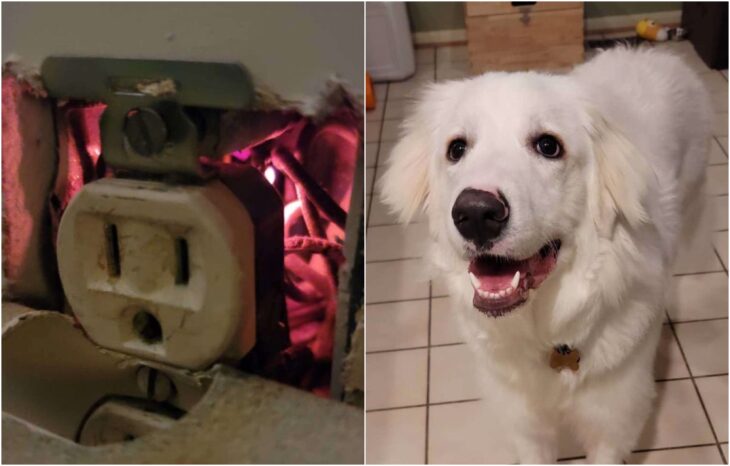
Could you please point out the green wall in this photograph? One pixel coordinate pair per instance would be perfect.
(436, 16)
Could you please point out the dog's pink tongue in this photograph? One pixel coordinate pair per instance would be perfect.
(493, 275)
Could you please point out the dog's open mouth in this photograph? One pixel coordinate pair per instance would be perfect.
(501, 284)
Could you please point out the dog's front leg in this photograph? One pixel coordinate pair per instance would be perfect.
(536, 442)
(532, 427)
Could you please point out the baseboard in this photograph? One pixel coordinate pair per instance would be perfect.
(595, 28)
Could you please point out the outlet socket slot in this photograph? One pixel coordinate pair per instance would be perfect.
(113, 265)
(182, 272)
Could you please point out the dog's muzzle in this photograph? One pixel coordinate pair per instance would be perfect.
(480, 216)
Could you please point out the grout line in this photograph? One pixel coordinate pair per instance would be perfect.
(698, 273)
(719, 258)
(398, 300)
(709, 319)
(688, 378)
(377, 155)
(380, 261)
(392, 224)
(411, 348)
(424, 405)
(694, 384)
(717, 140)
(428, 368)
(646, 450)
(404, 225)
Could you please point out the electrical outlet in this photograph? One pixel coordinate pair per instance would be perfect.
(164, 272)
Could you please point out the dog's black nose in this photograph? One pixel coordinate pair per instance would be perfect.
(480, 215)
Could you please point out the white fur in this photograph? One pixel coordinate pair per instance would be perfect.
(635, 126)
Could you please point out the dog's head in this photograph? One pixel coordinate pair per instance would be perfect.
(509, 169)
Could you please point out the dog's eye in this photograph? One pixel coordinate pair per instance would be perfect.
(548, 146)
(457, 149)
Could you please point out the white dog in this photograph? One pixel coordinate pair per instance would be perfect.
(555, 204)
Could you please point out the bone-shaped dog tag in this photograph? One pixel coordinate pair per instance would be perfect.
(564, 356)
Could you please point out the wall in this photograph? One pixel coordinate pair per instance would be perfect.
(292, 48)
(435, 16)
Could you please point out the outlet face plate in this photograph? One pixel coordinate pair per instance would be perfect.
(164, 272)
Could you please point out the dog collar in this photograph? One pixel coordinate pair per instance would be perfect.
(563, 356)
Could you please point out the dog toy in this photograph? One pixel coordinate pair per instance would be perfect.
(650, 30)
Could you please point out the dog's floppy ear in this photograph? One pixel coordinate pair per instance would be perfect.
(404, 185)
(620, 179)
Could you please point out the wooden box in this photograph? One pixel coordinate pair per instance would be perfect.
(524, 35)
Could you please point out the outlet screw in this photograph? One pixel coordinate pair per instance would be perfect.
(145, 131)
(154, 384)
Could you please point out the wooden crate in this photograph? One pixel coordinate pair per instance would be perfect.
(542, 36)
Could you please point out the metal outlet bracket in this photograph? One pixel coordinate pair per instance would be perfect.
(161, 116)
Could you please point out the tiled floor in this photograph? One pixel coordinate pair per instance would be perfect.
(422, 401)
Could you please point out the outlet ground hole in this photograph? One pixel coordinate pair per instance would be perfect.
(147, 327)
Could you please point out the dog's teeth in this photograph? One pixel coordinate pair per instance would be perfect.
(515, 280)
(509, 290)
(503, 293)
(483, 294)
(474, 281)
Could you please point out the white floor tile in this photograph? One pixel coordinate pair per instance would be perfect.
(381, 214)
(705, 346)
(391, 130)
(714, 81)
(425, 55)
(397, 325)
(369, 174)
(457, 70)
(694, 455)
(371, 154)
(372, 132)
(458, 53)
(396, 379)
(697, 259)
(439, 287)
(669, 363)
(375, 114)
(397, 242)
(397, 109)
(717, 154)
(718, 211)
(719, 240)
(701, 296)
(714, 394)
(396, 281)
(396, 436)
(453, 374)
(717, 179)
(409, 89)
(719, 101)
(720, 124)
(678, 418)
(723, 142)
(724, 446)
(386, 148)
(465, 433)
(444, 327)
(381, 90)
